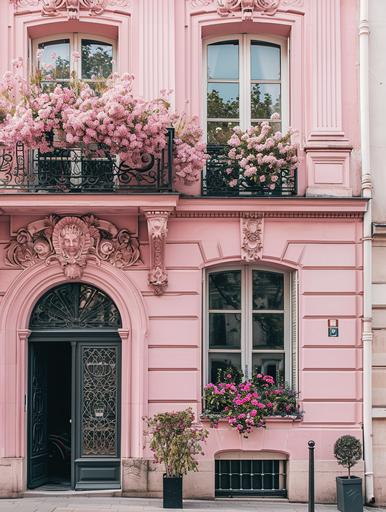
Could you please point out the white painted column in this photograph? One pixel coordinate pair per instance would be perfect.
(156, 47)
(327, 148)
(326, 72)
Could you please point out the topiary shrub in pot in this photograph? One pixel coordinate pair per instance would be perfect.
(174, 441)
(348, 451)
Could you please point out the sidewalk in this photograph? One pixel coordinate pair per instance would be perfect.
(110, 504)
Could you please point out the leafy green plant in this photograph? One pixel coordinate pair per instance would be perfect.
(175, 441)
(348, 451)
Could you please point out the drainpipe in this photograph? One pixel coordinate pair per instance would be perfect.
(367, 334)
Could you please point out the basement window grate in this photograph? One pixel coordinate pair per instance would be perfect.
(251, 478)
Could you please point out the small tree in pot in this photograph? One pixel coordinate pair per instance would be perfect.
(175, 441)
(348, 451)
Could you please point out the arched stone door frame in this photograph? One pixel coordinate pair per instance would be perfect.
(16, 309)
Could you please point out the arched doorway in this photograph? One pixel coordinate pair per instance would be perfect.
(74, 390)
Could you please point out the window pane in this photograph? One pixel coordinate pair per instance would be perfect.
(222, 362)
(268, 288)
(225, 290)
(270, 364)
(223, 60)
(223, 100)
(265, 100)
(265, 61)
(224, 330)
(54, 60)
(219, 132)
(268, 331)
(97, 59)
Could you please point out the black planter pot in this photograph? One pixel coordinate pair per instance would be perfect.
(349, 494)
(172, 487)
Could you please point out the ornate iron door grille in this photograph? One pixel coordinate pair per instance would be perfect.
(99, 401)
(75, 306)
(250, 477)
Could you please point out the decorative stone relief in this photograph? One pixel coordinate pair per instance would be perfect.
(157, 225)
(251, 230)
(72, 241)
(247, 7)
(73, 7)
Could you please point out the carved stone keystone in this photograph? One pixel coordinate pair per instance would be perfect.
(251, 231)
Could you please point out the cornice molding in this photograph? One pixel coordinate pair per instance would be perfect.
(73, 8)
(255, 215)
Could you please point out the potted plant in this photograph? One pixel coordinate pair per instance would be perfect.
(175, 440)
(348, 451)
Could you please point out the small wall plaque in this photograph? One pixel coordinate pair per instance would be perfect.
(333, 328)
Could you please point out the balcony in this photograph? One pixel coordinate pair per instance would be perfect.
(83, 170)
(216, 180)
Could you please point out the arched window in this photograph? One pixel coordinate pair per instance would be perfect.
(248, 322)
(58, 58)
(246, 83)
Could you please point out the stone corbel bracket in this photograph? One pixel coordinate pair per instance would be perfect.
(157, 226)
(251, 234)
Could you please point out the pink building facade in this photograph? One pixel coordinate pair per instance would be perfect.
(150, 318)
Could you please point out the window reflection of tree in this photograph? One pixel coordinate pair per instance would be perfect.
(220, 282)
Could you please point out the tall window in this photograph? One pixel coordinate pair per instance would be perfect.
(245, 80)
(57, 58)
(248, 325)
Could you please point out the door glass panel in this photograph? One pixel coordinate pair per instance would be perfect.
(219, 132)
(225, 290)
(97, 59)
(99, 403)
(224, 330)
(223, 100)
(265, 61)
(268, 331)
(223, 60)
(270, 364)
(222, 361)
(54, 60)
(265, 100)
(268, 289)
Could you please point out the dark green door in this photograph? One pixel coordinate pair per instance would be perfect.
(97, 451)
(85, 318)
(37, 418)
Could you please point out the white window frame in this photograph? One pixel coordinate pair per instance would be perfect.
(245, 41)
(75, 39)
(290, 346)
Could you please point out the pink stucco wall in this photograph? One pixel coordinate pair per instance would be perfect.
(160, 41)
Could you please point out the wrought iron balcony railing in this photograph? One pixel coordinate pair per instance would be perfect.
(216, 181)
(84, 170)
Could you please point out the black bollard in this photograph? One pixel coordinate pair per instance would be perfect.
(311, 477)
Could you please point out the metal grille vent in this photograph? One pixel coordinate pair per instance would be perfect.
(251, 477)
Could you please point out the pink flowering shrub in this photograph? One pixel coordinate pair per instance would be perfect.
(190, 156)
(175, 441)
(258, 156)
(246, 403)
(115, 121)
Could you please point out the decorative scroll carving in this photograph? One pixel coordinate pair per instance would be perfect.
(157, 225)
(72, 241)
(73, 7)
(251, 238)
(247, 7)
